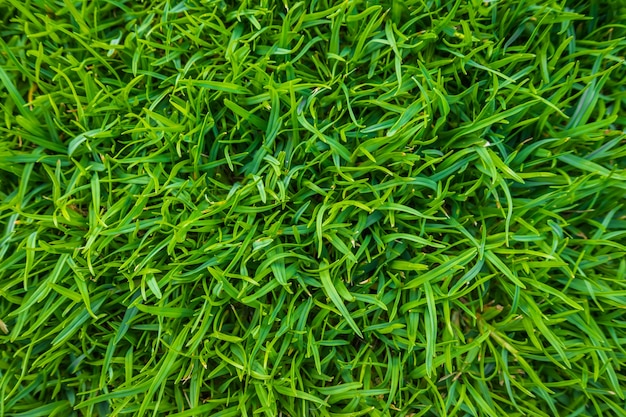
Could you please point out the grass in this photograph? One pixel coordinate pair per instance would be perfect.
(407, 208)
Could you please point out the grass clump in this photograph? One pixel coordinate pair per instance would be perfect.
(410, 208)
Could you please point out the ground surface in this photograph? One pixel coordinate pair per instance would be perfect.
(214, 208)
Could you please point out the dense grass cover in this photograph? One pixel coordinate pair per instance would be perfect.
(347, 208)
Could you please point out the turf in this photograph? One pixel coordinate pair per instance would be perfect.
(407, 208)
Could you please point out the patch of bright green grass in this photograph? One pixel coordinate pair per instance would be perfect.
(410, 208)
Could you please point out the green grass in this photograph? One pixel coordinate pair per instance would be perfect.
(403, 208)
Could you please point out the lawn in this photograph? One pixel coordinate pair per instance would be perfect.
(317, 208)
